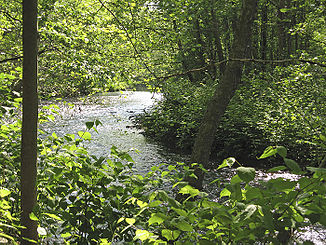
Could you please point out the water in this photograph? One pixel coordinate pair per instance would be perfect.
(115, 111)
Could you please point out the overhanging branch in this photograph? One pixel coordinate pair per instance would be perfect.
(242, 60)
(20, 57)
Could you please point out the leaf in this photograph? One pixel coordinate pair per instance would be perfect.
(89, 125)
(322, 219)
(188, 189)
(53, 216)
(130, 221)
(157, 218)
(281, 150)
(269, 151)
(84, 135)
(167, 234)
(246, 174)
(181, 212)
(235, 179)
(253, 193)
(183, 225)
(65, 235)
(32, 216)
(268, 219)
(292, 165)
(227, 163)
(322, 137)
(225, 193)
(284, 10)
(4, 192)
(170, 235)
(142, 235)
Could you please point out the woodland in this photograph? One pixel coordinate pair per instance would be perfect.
(243, 86)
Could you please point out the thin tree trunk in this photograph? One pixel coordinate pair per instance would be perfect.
(224, 91)
(29, 127)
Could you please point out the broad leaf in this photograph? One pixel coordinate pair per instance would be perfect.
(246, 174)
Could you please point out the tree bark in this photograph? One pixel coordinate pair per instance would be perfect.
(29, 126)
(224, 91)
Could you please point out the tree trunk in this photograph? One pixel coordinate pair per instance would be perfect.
(29, 127)
(224, 91)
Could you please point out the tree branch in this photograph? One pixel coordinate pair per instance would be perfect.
(242, 60)
(129, 38)
(20, 57)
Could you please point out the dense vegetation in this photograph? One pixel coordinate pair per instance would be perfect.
(182, 49)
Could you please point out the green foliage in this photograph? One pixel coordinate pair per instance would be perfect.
(287, 107)
(246, 212)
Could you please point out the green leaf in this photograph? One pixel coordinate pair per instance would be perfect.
(292, 165)
(32, 216)
(53, 216)
(235, 179)
(272, 150)
(284, 10)
(253, 193)
(183, 225)
(281, 150)
(89, 125)
(65, 235)
(227, 163)
(225, 193)
(154, 203)
(322, 137)
(181, 212)
(130, 221)
(268, 219)
(188, 189)
(246, 174)
(157, 218)
(4, 192)
(142, 235)
(269, 151)
(84, 135)
(167, 234)
(322, 219)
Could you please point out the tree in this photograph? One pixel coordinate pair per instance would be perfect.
(29, 127)
(224, 91)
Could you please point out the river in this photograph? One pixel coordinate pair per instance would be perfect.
(115, 111)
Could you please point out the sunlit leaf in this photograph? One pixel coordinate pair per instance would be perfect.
(4, 192)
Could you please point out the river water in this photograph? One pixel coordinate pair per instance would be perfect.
(115, 111)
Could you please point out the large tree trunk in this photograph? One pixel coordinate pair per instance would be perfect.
(29, 128)
(224, 91)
